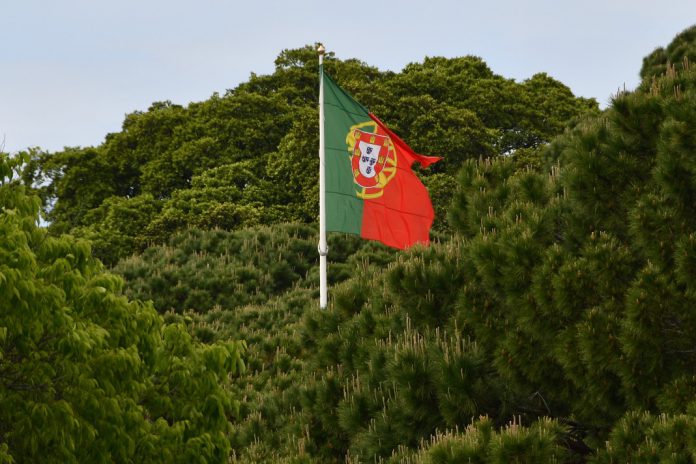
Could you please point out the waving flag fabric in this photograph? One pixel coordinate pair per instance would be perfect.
(370, 187)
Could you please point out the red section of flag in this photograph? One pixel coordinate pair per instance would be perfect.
(402, 216)
(401, 146)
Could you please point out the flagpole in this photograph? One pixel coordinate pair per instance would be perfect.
(323, 247)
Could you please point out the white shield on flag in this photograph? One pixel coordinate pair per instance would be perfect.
(369, 155)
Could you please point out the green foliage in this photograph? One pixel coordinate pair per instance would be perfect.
(387, 379)
(559, 297)
(272, 423)
(570, 279)
(564, 302)
(87, 375)
(481, 443)
(441, 188)
(247, 157)
(116, 227)
(200, 270)
(640, 437)
(680, 51)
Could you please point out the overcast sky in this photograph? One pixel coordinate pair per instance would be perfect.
(71, 69)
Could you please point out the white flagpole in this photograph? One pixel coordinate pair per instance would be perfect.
(323, 247)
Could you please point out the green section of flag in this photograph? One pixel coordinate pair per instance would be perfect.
(344, 209)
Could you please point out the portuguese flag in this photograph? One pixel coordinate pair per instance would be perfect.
(371, 190)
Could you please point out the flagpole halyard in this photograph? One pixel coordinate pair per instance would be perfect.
(323, 247)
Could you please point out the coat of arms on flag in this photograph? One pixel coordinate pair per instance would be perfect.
(373, 159)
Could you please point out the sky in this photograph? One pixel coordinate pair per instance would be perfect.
(70, 70)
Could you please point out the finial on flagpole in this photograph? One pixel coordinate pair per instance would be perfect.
(320, 48)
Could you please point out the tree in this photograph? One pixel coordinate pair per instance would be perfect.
(567, 295)
(87, 375)
(680, 52)
(266, 128)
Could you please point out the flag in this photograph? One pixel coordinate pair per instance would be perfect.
(371, 190)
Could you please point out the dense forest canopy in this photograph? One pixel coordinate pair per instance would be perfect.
(551, 320)
(247, 158)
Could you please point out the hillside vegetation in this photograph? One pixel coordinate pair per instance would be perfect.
(249, 157)
(87, 375)
(551, 320)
